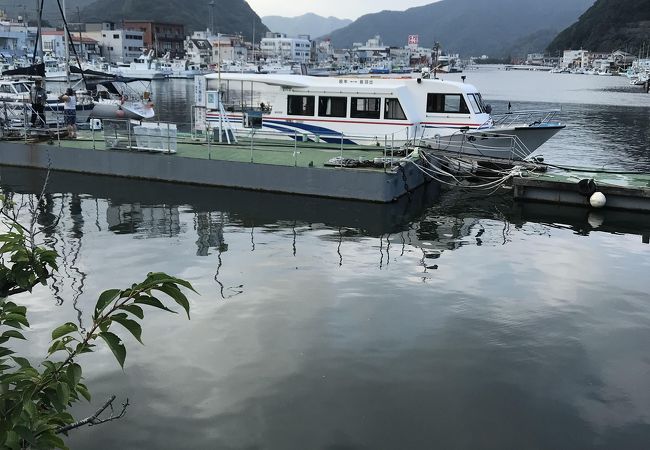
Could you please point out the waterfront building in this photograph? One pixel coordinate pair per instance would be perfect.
(116, 45)
(198, 51)
(54, 45)
(231, 48)
(163, 38)
(575, 58)
(16, 38)
(279, 46)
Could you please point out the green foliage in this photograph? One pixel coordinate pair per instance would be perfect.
(35, 397)
(607, 26)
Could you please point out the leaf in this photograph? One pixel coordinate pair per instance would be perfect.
(55, 347)
(63, 393)
(116, 346)
(135, 310)
(161, 277)
(17, 317)
(153, 301)
(50, 440)
(131, 325)
(13, 334)
(74, 373)
(25, 434)
(64, 329)
(22, 362)
(175, 293)
(83, 390)
(105, 298)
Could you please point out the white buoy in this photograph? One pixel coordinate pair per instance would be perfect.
(595, 220)
(597, 200)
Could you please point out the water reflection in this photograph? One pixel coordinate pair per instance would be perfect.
(447, 316)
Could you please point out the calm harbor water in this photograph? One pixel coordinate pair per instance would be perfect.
(448, 320)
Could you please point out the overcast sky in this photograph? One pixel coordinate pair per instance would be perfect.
(343, 9)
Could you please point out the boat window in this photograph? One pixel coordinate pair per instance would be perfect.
(5, 89)
(480, 102)
(446, 103)
(365, 108)
(21, 87)
(332, 106)
(299, 105)
(394, 110)
(476, 106)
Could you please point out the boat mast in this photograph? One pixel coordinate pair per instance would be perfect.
(67, 44)
(39, 42)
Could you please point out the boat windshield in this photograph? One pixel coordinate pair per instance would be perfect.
(481, 103)
(21, 88)
(476, 105)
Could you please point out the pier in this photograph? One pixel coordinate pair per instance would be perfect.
(621, 190)
(372, 174)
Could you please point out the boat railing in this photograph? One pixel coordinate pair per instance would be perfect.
(16, 120)
(487, 145)
(532, 117)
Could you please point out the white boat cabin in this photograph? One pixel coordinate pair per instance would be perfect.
(358, 110)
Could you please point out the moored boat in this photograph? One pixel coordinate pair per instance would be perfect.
(370, 111)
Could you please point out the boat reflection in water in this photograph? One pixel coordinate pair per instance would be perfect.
(426, 220)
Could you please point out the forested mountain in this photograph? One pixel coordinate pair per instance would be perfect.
(230, 16)
(311, 24)
(608, 25)
(470, 27)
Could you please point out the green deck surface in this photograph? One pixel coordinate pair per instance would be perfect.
(627, 180)
(303, 154)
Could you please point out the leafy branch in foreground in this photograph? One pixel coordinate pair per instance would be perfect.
(34, 399)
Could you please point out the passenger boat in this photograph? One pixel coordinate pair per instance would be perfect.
(369, 111)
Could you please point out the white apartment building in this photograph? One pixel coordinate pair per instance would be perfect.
(118, 45)
(575, 58)
(54, 45)
(278, 45)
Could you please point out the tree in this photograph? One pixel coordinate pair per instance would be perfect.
(35, 398)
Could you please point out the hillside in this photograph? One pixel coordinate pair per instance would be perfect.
(311, 24)
(230, 16)
(608, 25)
(51, 12)
(469, 27)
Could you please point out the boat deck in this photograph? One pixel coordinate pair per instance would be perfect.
(299, 154)
(305, 168)
(622, 190)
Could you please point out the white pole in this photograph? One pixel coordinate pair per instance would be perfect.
(221, 109)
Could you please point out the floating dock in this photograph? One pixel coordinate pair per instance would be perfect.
(622, 190)
(303, 168)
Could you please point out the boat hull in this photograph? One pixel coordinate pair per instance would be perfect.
(511, 143)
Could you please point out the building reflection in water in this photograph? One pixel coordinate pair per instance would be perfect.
(145, 221)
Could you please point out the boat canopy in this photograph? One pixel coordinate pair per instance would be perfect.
(36, 70)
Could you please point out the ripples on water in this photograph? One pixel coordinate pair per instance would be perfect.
(448, 320)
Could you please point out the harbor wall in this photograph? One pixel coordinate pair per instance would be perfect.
(344, 183)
